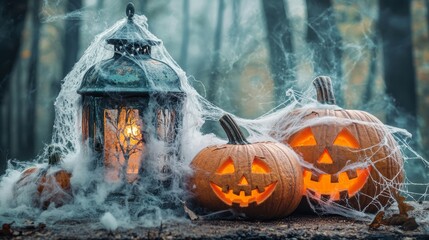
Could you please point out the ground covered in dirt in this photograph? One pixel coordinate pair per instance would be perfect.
(295, 226)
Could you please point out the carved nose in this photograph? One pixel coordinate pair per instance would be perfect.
(243, 181)
(325, 158)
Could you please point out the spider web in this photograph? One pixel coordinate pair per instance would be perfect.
(155, 204)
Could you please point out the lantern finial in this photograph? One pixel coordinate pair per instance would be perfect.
(130, 11)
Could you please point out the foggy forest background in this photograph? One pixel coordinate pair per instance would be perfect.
(242, 55)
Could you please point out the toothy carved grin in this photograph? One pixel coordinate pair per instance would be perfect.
(241, 199)
(324, 186)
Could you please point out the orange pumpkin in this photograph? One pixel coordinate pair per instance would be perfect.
(52, 184)
(262, 180)
(351, 158)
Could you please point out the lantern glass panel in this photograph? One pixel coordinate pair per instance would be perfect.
(166, 125)
(85, 122)
(123, 143)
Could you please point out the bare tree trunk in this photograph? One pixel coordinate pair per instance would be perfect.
(325, 41)
(372, 71)
(423, 93)
(213, 80)
(15, 132)
(12, 17)
(185, 36)
(71, 40)
(427, 13)
(143, 7)
(19, 129)
(7, 111)
(236, 48)
(32, 81)
(279, 34)
(235, 26)
(100, 4)
(71, 37)
(399, 75)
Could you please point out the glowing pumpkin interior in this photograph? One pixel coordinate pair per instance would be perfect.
(243, 199)
(324, 184)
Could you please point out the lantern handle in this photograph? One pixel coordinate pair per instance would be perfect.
(130, 10)
(325, 92)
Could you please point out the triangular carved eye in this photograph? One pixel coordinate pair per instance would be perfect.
(346, 139)
(303, 138)
(259, 166)
(227, 167)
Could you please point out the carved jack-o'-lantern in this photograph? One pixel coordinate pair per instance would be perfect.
(340, 143)
(350, 156)
(262, 180)
(258, 167)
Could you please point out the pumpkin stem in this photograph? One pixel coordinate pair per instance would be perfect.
(232, 130)
(54, 155)
(325, 93)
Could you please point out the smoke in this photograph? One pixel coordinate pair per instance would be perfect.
(148, 203)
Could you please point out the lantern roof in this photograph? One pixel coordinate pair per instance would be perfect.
(130, 76)
(132, 33)
(131, 71)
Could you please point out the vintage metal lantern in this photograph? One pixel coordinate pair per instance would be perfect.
(129, 101)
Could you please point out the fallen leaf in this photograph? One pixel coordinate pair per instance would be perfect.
(41, 226)
(395, 220)
(377, 221)
(402, 206)
(410, 224)
(190, 213)
(6, 229)
(401, 219)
